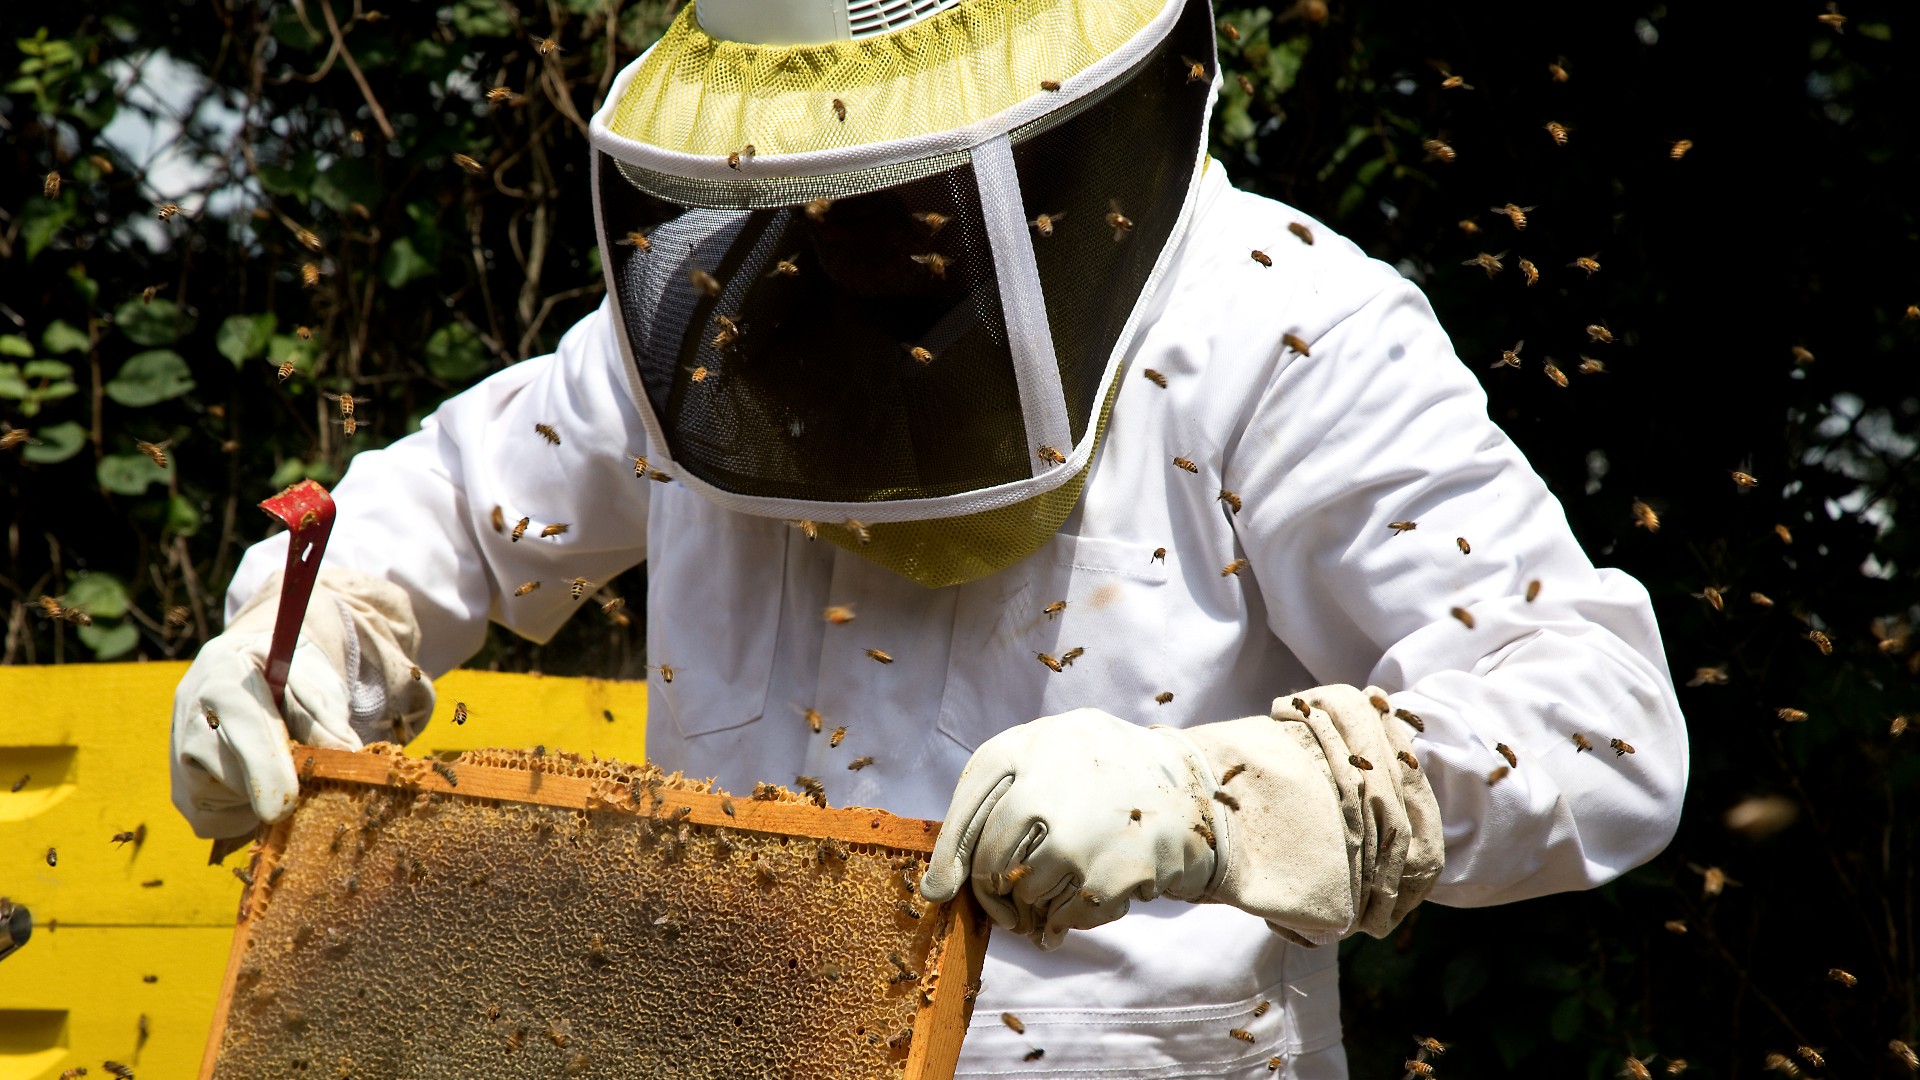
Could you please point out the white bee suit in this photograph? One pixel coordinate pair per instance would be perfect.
(1380, 424)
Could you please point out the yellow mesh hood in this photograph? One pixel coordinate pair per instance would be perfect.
(695, 94)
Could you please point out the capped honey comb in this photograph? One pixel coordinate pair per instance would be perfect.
(518, 914)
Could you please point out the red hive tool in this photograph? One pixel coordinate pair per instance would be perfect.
(307, 511)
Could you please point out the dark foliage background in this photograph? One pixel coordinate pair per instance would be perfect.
(322, 134)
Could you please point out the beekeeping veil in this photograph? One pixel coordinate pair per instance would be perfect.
(892, 280)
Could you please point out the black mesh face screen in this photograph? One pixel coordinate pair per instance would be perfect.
(1131, 153)
(798, 378)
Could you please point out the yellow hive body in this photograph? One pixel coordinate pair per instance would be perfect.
(577, 917)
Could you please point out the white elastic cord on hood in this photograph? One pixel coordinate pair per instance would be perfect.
(1023, 305)
(809, 22)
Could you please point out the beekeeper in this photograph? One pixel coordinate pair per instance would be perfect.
(943, 316)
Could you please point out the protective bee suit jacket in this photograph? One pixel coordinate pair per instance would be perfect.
(1380, 423)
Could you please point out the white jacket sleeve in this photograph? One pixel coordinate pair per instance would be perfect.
(419, 513)
(1380, 424)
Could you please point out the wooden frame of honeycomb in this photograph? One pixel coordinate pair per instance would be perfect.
(514, 913)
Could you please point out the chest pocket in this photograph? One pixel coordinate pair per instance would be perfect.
(713, 613)
(1116, 612)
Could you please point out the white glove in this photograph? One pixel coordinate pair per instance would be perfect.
(228, 779)
(1099, 810)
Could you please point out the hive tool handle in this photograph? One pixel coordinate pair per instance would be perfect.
(307, 511)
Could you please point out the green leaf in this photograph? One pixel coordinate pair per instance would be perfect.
(40, 221)
(47, 369)
(244, 337)
(1567, 1015)
(290, 471)
(15, 345)
(149, 378)
(1465, 977)
(88, 288)
(182, 516)
(160, 322)
(109, 642)
(403, 263)
(11, 384)
(57, 443)
(61, 336)
(480, 18)
(295, 180)
(455, 353)
(129, 474)
(344, 183)
(99, 594)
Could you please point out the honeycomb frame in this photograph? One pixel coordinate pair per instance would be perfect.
(589, 790)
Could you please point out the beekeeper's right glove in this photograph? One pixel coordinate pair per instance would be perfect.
(351, 681)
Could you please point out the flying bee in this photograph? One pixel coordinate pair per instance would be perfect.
(1490, 263)
(20, 783)
(156, 451)
(1399, 527)
(1246, 84)
(1233, 567)
(1053, 609)
(1905, 1054)
(500, 95)
(136, 837)
(1781, 1064)
(1599, 333)
(1497, 775)
(1232, 31)
(1712, 596)
(636, 240)
(860, 762)
(525, 587)
(469, 164)
(1205, 833)
(1071, 655)
(1589, 263)
(1741, 479)
(1296, 343)
(1454, 82)
(1462, 614)
(1557, 132)
(706, 283)
(1505, 751)
(1051, 456)
(813, 719)
(839, 734)
(1515, 214)
(309, 274)
(1155, 378)
(51, 186)
(1053, 664)
(1262, 257)
(11, 437)
(520, 528)
(555, 529)
(1183, 463)
(840, 110)
(1581, 745)
(1468, 226)
(1590, 366)
(1792, 716)
(578, 587)
(1044, 223)
(1635, 1069)
(935, 263)
(1832, 17)
(1678, 148)
(807, 529)
(1163, 697)
(1050, 85)
(1913, 313)
(1196, 71)
(1159, 555)
(1232, 499)
(546, 432)
(1843, 977)
(728, 334)
(1621, 747)
(1529, 271)
(1305, 234)
(877, 655)
(1785, 534)
(666, 672)
(1821, 641)
(1120, 223)
(177, 616)
(546, 46)
(837, 614)
(1439, 151)
(308, 239)
(1709, 676)
(740, 157)
(1416, 1069)
(287, 368)
(921, 355)
(168, 210)
(1760, 599)
(1511, 357)
(1554, 373)
(1461, 543)
(499, 520)
(859, 530)
(1035, 1054)
(1811, 1056)
(932, 219)
(816, 208)
(1644, 517)
(1431, 1046)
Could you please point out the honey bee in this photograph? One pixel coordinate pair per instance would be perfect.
(1709, 676)
(1226, 800)
(1843, 977)
(1785, 534)
(1580, 743)
(1205, 834)
(1506, 751)
(53, 857)
(525, 587)
(1416, 1069)
(1511, 357)
(1232, 31)
(115, 1067)
(1905, 1054)
(20, 783)
(1896, 728)
(1621, 747)
(1230, 498)
(520, 528)
(1529, 271)
(1821, 641)
(1305, 234)
(837, 614)
(50, 187)
(1380, 705)
(1242, 1034)
(1553, 372)
(1590, 366)
(309, 274)
(1461, 543)
(1050, 85)
(1760, 599)
(1438, 151)
(1155, 378)
(1163, 697)
(156, 451)
(1159, 555)
(859, 530)
(1589, 263)
(1515, 214)
(813, 719)
(1013, 1022)
(168, 210)
(921, 355)
(1741, 479)
(1044, 223)
(1635, 1069)
(1471, 228)
(1051, 456)
(1246, 84)
(935, 263)
(546, 432)
(860, 762)
(706, 283)
(839, 110)
(1053, 663)
(308, 240)
(578, 586)
(11, 437)
(555, 529)
(1196, 71)
(546, 46)
(1678, 148)
(839, 733)
(1811, 1056)
(501, 95)
(1233, 567)
(213, 718)
(1832, 17)
(177, 616)
(286, 369)
(1712, 596)
(1913, 313)
(1497, 775)
(1454, 82)
(1783, 1065)
(728, 334)
(1431, 1046)
(1053, 609)
(876, 654)
(1490, 263)
(1035, 1054)
(1186, 464)
(933, 220)
(1274, 1063)
(1296, 343)
(666, 672)
(1411, 719)
(1359, 762)
(1399, 527)
(1120, 223)
(740, 157)
(1302, 706)
(1599, 333)
(1802, 356)
(1262, 257)
(468, 163)
(499, 520)
(1557, 132)
(816, 208)
(807, 529)
(636, 240)
(1644, 517)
